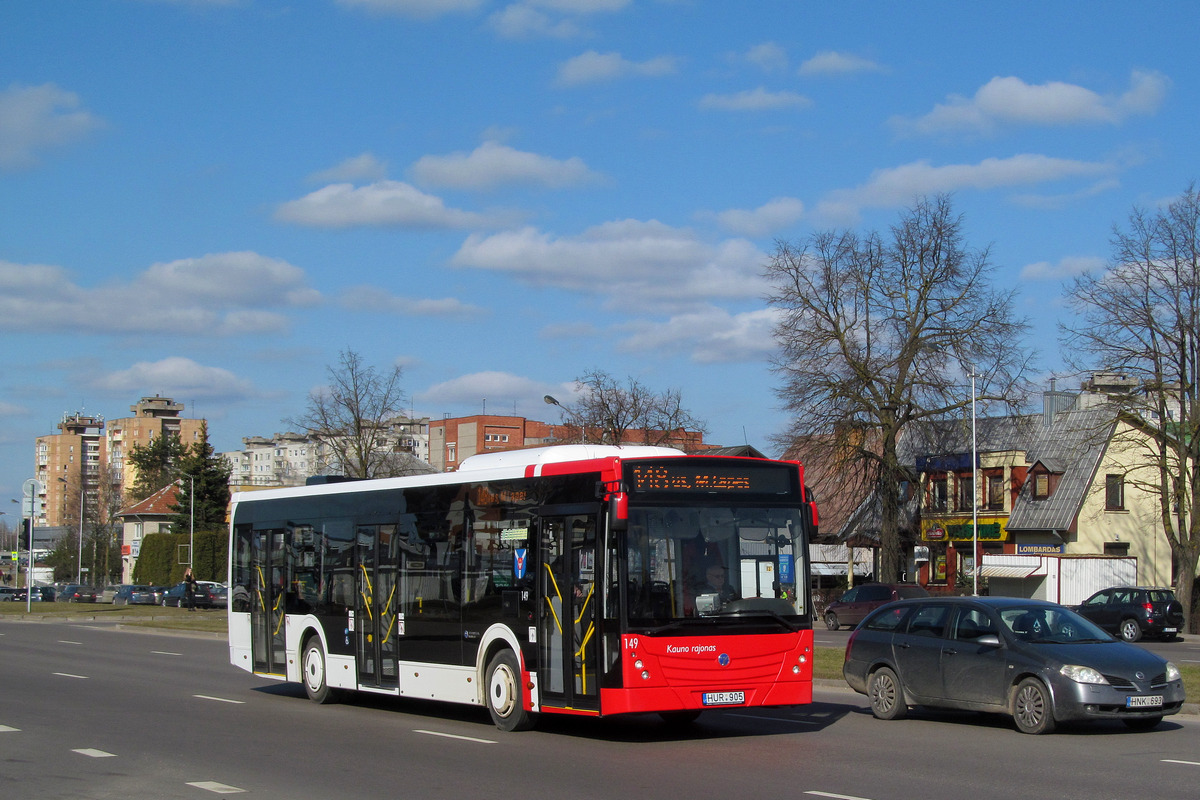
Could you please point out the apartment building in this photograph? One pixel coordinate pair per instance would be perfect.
(152, 417)
(289, 459)
(68, 465)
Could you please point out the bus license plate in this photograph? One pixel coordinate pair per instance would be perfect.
(727, 698)
(1148, 701)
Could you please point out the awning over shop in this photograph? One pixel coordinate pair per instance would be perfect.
(823, 568)
(997, 571)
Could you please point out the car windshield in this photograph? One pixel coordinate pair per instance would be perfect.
(687, 564)
(1051, 625)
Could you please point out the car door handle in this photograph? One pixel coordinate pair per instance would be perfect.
(950, 651)
(904, 645)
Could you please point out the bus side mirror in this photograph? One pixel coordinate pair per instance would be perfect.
(618, 511)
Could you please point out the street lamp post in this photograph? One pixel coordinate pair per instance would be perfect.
(974, 496)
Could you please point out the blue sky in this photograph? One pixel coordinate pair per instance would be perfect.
(209, 199)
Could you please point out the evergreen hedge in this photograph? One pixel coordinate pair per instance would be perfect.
(158, 561)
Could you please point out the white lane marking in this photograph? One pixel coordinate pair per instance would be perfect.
(453, 736)
(164, 653)
(68, 641)
(1177, 761)
(219, 699)
(837, 796)
(69, 675)
(7, 729)
(93, 753)
(217, 788)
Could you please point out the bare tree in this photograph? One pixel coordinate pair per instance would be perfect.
(1141, 317)
(876, 334)
(608, 412)
(349, 417)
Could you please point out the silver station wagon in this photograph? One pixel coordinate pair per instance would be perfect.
(1039, 662)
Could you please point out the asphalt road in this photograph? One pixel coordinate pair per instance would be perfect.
(87, 711)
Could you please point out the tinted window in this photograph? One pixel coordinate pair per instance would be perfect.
(850, 596)
(887, 620)
(872, 592)
(1160, 597)
(928, 620)
(910, 591)
(972, 623)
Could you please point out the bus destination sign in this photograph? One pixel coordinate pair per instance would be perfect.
(684, 475)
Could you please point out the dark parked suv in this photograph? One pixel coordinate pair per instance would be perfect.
(850, 608)
(1135, 611)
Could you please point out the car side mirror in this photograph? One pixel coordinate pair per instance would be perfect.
(988, 640)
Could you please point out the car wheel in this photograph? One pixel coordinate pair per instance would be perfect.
(1130, 630)
(831, 621)
(1031, 707)
(316, 684)
(887, 696)
(504, 693)
(1143, 723)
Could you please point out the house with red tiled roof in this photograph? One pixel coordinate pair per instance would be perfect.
(152, 515)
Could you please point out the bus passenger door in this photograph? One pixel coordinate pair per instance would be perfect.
(569, 592)
(375, 603)
(268, 582)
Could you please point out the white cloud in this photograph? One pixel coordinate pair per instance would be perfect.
(413, 8)
(224, 294)
(382, 204)
(774, 215)
(830, 62)
(365, 167)
(520, 21)
(768, 56)
(897, 186)
(175, 376)
(759, 99)
(711, 335)
(637, 263)
(493, 164)
(1067, 267)
(374, 299)
(499, 390)
(593, 67)
(1011, 101)
(36, 118)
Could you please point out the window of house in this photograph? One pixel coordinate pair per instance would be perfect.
(966, 492)
(1114, 492)
(450, 452)
(939, 494)
(995, 492)
(1041, 486)
(1116, 548)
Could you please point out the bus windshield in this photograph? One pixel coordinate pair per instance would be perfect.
(687, 564)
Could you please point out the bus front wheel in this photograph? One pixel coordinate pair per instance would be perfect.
(316, 681)
(504, 693)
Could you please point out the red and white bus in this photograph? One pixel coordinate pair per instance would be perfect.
(564, 580)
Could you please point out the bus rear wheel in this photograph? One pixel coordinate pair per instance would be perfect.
(504, 693)
(316, 680)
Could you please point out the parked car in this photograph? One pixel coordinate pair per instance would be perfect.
(7, 594)
(76, 593)
(49, 593)
(148, 595)
(130, 594)
(177, 595)
(1135, 611)
(1039, 662)
(107, 594)
(21, 593)
(853, 606)
(220, 596)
